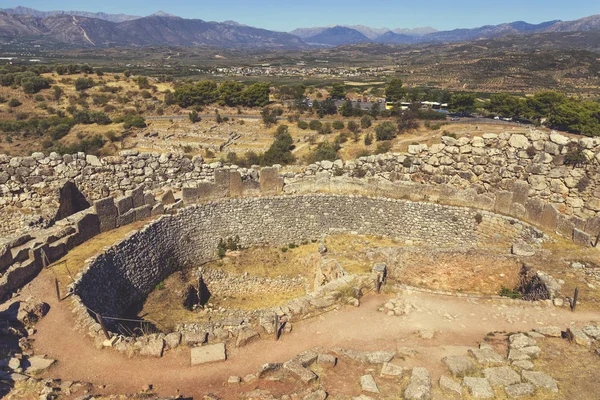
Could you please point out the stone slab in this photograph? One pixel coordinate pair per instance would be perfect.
(208, 354)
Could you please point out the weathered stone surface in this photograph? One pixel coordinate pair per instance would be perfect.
(319, 394)
(107, 213)
(449, 385)
(487, 356)
(270, 182)
(540, 379)
(501, 376)
(522, 248)
(581, 238)
(520, 340)
(209, 353)
(419, 385)
(236, 187)
(246, 336)
(167, 198)
(297, 370)
(551, 331)
(327, 360)
(37, 364)
(234, 380)
(368, 384)
(532, 351)
(527, 365)
(153, 348)
(267, 369)
(592, 331)
(172, 340)
(124, 204)
(459, 365)
(478, 387)
(520, 390)
(577, 336)
(390, 369)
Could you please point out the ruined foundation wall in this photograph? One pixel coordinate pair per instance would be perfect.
(129, 270)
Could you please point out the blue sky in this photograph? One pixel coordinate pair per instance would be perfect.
(285, 15)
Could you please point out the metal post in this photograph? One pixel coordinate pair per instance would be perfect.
(575, 299)
(276, 327)
(99, 318)
(57, 289)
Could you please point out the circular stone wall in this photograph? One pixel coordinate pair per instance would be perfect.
(125, 274)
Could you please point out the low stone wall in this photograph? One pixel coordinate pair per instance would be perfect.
(531, 165)
(129, 270)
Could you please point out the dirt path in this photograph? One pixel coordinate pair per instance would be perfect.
(457, 322)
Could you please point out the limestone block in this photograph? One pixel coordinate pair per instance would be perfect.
(581, 238)
(270, 182)
(127, 218)
(503, 201)
(208, 354)
(222, 182)
(549, 218)
(520, 192)
(124, 204)
(137, 196)
(107, 213)
(236, 187)
(190, 195)
(142, 213)
(534, 208)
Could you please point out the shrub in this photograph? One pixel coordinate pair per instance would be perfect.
(302, 125)
(324, 151)
(325, 129)
(284, 249)
(368, 139)
(337, 125)
(136, 121)
(383, 147)
(365, 122)
(575, 156)
(478, 218)
(407, 163)
(315, 125)
(386, 131)
(292, 246)
(14, 103)
(83, 84)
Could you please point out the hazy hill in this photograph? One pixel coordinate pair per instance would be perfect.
(152, 30)
(43, 14)
(336, 36)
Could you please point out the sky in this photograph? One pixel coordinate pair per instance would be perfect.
(286, 15)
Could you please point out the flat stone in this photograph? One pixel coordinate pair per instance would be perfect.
(327, 360)
(268, 368)
(532, 351)
(501, 376)
(296, 369)
(419, 385)
(362, 397)
(592, 331)
(154, 348)
(233, 380)
(307, 358)
(551, 331)
(459, 365)
(316, 395)
(479, 388)
(540, 379)
(207, 354)
(520, 340)
(173, 340)
(525, 364)
(368, 384)
(246, 336)
(522, 248)
(519, 390)
(487, 356)
(518, 355)
(390, 369)
(37, 364)
(450, 385)
(376, 357)
(578, 336)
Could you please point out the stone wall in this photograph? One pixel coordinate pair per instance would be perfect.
(125, 273)
(530, 165)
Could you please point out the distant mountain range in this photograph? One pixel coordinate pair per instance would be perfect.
(86, 29)
(145, 31)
